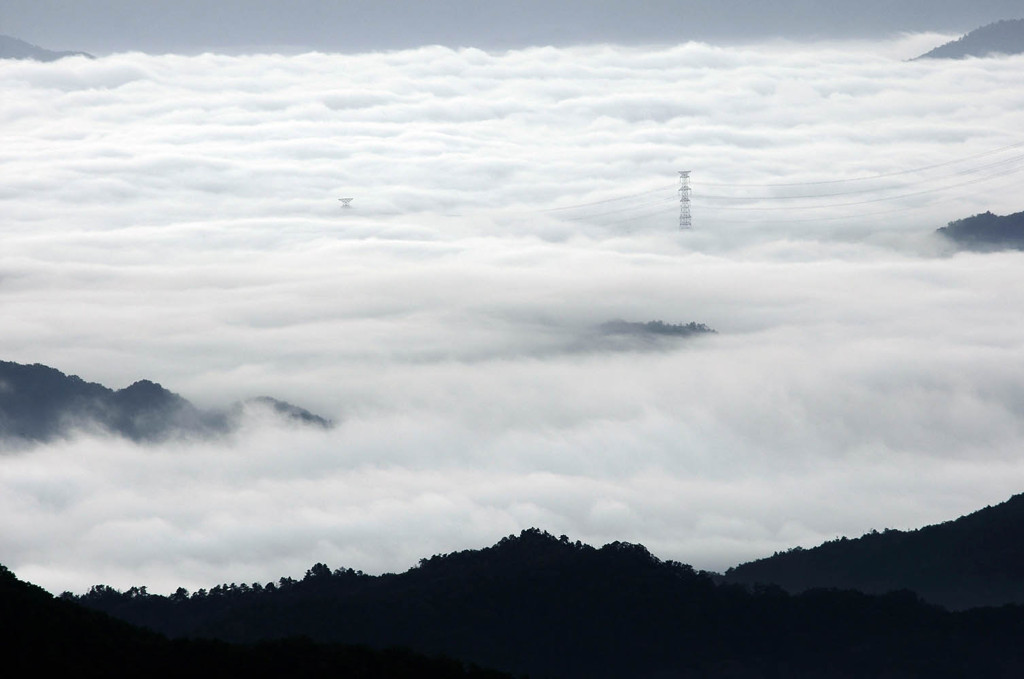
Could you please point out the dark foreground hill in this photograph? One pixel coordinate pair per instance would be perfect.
(39, 403)
(976, 560)
(12, 48)
(1002, 37)
(41, 636)
(549, 607)
(987, 232)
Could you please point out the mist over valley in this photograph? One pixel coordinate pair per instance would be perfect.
(454, 278)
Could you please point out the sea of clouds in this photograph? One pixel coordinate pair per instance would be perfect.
(176, 218)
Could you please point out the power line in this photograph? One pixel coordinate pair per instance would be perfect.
(640, 210)
(876, 176)
(873, 200)
(1007, 161)
(601, 202)
(652, 202)
(660, 201)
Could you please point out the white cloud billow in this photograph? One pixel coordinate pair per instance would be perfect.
(176, 218)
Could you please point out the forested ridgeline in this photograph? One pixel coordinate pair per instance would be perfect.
(45, 636)
(987, 232)
(976, 560)
(550, 607)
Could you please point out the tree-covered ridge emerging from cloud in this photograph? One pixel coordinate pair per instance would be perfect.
(547, 606)
(39, 403)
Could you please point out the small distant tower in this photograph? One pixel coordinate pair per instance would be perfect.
(345, 202)
(685, 222)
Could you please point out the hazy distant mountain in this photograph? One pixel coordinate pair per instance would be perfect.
(545, 606)
(1002, 37)
(12, 48)
(282, 409)
(655, 328)
(39, 403)
(620, 335)
(987, 232)
(976, 560)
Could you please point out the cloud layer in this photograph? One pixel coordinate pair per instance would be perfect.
(176, 218)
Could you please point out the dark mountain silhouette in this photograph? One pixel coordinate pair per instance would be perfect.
(549, 607)
(33, 625)
(44, 636)
(976, 560)
(987, 232)
(12, 48)
(1002, 37)
(39, 403)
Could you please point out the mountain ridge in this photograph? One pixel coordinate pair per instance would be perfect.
(986, 232)
(974, 560)
(41, 635)
(1001, 37)
(549, 607)
(13, 48)
(39, 403)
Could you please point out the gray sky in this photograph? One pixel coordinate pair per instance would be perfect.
(104, 26)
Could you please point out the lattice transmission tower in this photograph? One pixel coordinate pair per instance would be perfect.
(685, 221)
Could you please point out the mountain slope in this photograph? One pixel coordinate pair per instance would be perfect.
(545, 606)
(976, 560)
(44, 636)
(987, 232)
(1002, 37)
(39, 403)
(33, 624)
(12, 48)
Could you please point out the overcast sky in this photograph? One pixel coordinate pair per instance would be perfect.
(104, 26)
(176, 218)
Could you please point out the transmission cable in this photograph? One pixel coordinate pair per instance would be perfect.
(876, 176)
